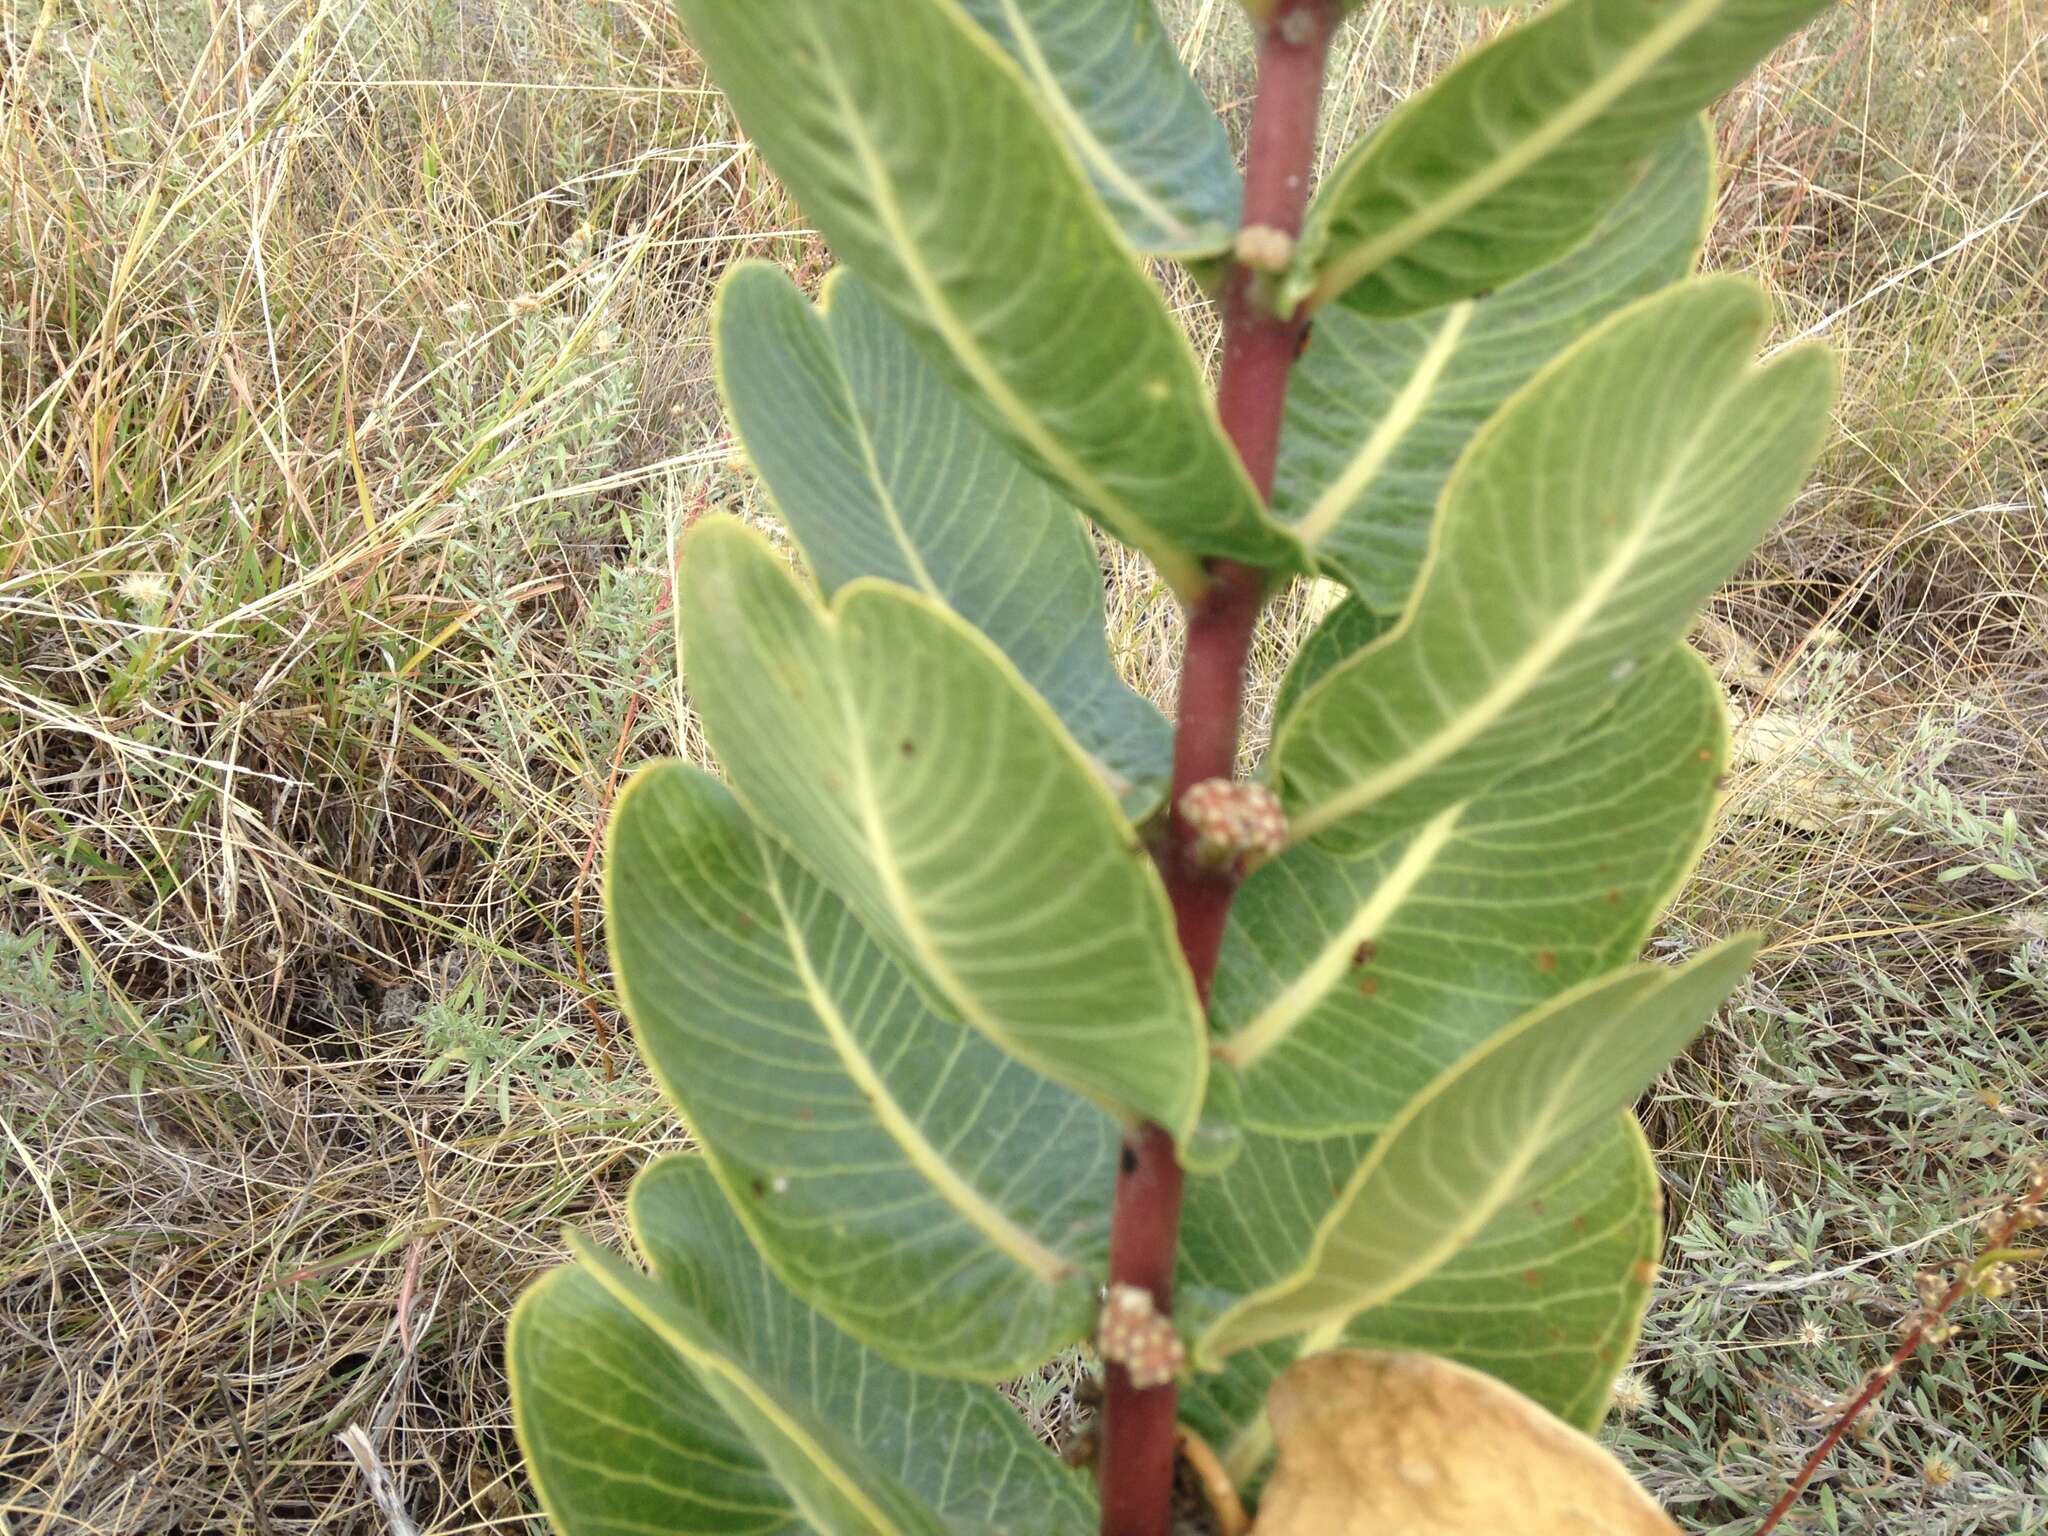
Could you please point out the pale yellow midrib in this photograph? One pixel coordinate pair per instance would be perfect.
(1251, 1444)
(884, 494)
(1633, 64)
(1333, 962)
(1248, 1450)
(896, 893)
(1181, 572)
(1002, 1233)
(1470, 723)
(1080, 135)
(1343, 492)
(764, 1404)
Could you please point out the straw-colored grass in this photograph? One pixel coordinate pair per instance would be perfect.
(352, 385)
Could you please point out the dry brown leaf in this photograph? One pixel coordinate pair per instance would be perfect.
(1378, 1443)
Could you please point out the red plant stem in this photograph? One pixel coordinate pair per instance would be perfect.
(1140, 1428)
(2001, 1237)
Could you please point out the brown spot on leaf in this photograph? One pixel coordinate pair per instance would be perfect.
(1546, 960)
(1533, 1278)
(1367, 985)
(1363, 955)
(1644, 1273)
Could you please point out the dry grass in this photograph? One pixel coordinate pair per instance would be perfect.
(352, 382)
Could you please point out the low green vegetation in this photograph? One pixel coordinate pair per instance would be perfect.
(354, 380)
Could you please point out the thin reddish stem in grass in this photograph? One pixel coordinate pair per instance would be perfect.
(2023, 1212)
(1140, 1429)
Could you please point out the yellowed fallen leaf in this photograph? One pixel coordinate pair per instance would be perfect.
(1377, 1443)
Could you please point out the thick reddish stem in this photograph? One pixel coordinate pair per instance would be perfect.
(1139, 1430)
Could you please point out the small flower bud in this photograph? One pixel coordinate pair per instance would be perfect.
(1233, 821)
(1132, 1333)
(1264, 248)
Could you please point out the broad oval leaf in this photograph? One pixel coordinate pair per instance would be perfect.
(617, 1432)
(997, 256)
(1582, 528)
(1344, 631)
(1376, 1442)
(1347, 983)
(1379, 409)
(897, 753)
(1108, 75)
(706, 1398)
(880, 471)
(945, 1205)
(1510, 159)
(1505, 1119)
(1549, 1298)
(837, 1489)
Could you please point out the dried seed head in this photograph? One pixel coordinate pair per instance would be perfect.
(1998, 1281)
(1233, 821)
(146, 590)
(1937, 1471)
(1930, 1285)
(1633, 1395)
(1132, 1333)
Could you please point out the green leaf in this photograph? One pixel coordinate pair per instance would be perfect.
(679, 1402)
(1347, 984)
(1108, 75)
(1378, 410)
(1549, 1298)
(998, 258)
(833, 1486)
(1582, 528)
(1493, 1129)
(879, 471)
(945, 1205)
(617, 1432)
(899, 755)
(1345, 630)
(1512, 157)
